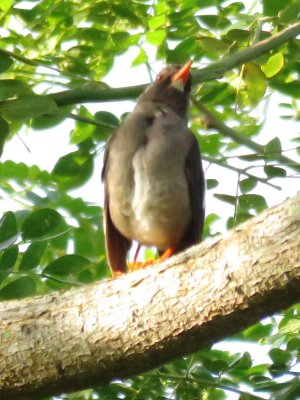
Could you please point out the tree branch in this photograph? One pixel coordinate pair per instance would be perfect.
(218, 69)
(222, 163)
(239, 138)
(215, 70)
(120, 327)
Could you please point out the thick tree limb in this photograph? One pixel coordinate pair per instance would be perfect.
(84, 337)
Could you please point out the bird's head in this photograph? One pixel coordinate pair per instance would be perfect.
(171, 88)
(176, 77)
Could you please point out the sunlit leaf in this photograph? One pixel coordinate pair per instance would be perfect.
(5, 61)
(27, 107)
(274, 65)
(20, 287)
(157, 21)
(40, 223)
(255, 83)
(73, 169)
(8, 230)
(141, 58)
(290, 13)
(9, 257)
(10, 88)
(66, 265)
(32, 256)
(156, 37)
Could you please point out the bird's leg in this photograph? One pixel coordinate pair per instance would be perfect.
(135, 265)
(167, 254)
(137, 252)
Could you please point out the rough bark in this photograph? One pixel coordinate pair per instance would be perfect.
(84, 337)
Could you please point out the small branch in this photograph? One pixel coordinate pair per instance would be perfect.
(239, 171)
(219, 68)
(90, 121)
(238, 137)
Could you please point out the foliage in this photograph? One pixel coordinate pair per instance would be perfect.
(51, 239)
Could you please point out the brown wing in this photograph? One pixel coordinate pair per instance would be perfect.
(196, 184)
(116, 244)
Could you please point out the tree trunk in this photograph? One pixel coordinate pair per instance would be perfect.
(118, 327)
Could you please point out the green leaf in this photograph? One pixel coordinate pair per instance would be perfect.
(66, 265)
(213, 45)
(274, 65)
(238, 35)
(27, 107)
(49, 121)
(257, 332)
(85, 241)
(125, 12)
(5, 62)
(5, 5)
(226, 197)
(289, 88)
(245, 362)
(32, 256)
(4, 132)
(246, 185)
(141, 58)
(273, 148)
(255, 83)
(290, 325)
(156, 38)
(157, 21)
(293, 344)
(272, 7)
(40, 223)
(110, 123)
(73, 169)
(9, 257)
(273, 172)
(21, 287)
(211, 183)
(81, 132)
(8, 230)
(11, 88)
(217, 366)
(214, 21)
(290, 13)
(252, 201)
(280, 356)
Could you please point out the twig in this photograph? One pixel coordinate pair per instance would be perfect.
(239, 138)
(239, 171)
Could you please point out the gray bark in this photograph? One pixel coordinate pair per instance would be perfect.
(118, 327)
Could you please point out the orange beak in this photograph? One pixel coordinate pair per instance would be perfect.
(183, 73)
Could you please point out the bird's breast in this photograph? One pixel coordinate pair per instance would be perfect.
(160, 202)
(149, 200)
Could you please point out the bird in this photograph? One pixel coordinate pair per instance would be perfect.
(153, 176)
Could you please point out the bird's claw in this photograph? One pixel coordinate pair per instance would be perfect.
(136, 265)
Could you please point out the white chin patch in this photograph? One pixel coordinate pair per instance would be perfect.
(179, 85)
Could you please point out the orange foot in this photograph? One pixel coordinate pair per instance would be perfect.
(116, 274)
(136, 265)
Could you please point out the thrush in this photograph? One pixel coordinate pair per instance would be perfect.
(153, 177)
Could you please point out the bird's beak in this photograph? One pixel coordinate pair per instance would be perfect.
(179, 80)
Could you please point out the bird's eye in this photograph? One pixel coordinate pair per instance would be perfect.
(159, 77)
